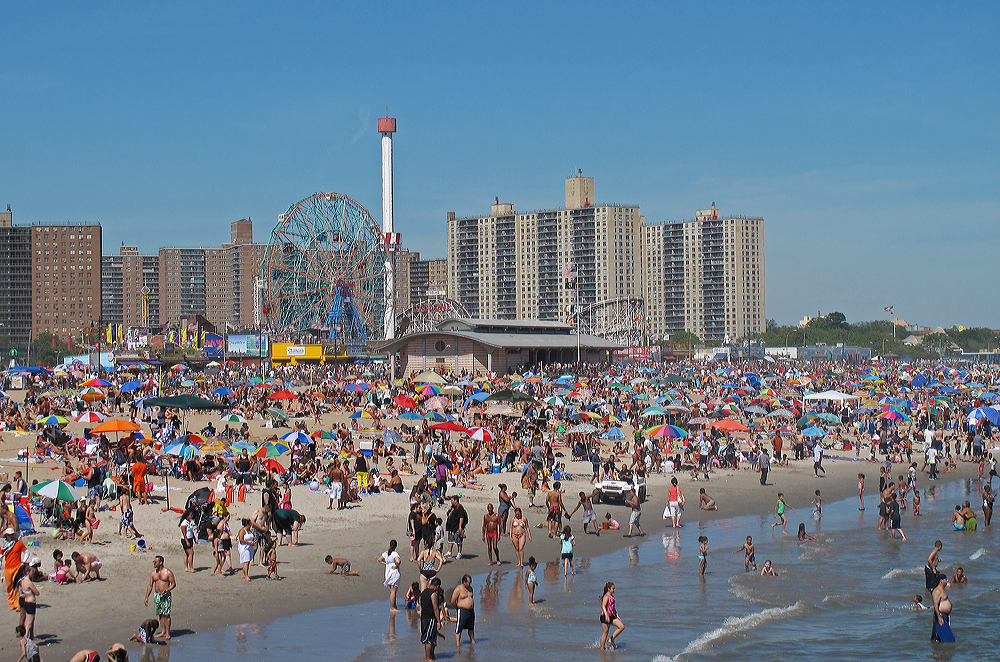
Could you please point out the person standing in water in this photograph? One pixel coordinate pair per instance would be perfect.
(491, 533)
(609, 617)
(703, 554)
(463, 599)
(942, 608)
(750, 558)
(531, 580)
(779, 512)
(861, 488)
(566, 541)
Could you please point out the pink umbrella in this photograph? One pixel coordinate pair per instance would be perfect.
(437, 402)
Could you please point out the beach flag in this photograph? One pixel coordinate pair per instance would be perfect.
(888, 309)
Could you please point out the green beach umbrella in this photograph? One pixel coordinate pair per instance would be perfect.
(57, 490)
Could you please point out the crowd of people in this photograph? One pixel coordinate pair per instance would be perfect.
(350, 432)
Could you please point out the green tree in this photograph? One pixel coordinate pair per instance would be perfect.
(683, 340)
(47, 349)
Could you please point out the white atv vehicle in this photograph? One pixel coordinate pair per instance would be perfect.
(609, 491)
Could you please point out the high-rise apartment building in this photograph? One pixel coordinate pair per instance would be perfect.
(705, 276)
(535, 265)
(66, 279)
(417, 279)
(15, 282)
(130, 289)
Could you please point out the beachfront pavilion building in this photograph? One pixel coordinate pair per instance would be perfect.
(478, 346)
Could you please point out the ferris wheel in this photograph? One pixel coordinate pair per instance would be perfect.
(324, 270)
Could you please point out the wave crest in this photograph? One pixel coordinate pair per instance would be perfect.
(735, 625)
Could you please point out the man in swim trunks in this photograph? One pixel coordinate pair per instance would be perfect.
(462, 598)
(930, 570)
(942, 607)
(161, 583)
(586, 502)
(491, 533)
(554, 504)
(430, 609)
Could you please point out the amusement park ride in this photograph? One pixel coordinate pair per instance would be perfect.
(327, 274)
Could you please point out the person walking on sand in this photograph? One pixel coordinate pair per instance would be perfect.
(161, 585)
(189, 539)
(675, 503)
(491, 533)
(586, 502)
(818, 460)
(554, 504)
(566, 541)
(391, 560)
(465, 603)
(126, 524)
(779, 512)
(609, 617)
(633, 520)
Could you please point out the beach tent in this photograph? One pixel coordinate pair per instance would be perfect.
(24, 521)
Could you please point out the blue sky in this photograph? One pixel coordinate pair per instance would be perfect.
(866, 137)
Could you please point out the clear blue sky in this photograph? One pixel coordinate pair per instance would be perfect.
(866, 137)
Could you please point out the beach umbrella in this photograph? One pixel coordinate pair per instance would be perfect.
(405, 402)
(90, 417)
(814, 432)
(92, 394)
(96, 382)
(893, 416)
(508, 395)
(116, 425)
(323, 434)
(410, 416)
(178, 448)
(240, 446)
(611, 418)
(555, 400)
(193, 439)
(187, 382)
(297, 435)
(614, 434)
(448, 425)
(583, 428)
(130, 386)
(451, 390)
(780, 413)
(830, 418)
(51, 420)
(57, 490)
(652, 411)
(274, 412)
(437, 402)
(271, 449)
(282, 395)
(233, 418)
(222, 390)
(729, 425)
(356, 388)
(429, 377)
(666, 432)
(428, 390)
(362, 414)
(392, 437)
(214, 445)
(480, 434)
(754, 409)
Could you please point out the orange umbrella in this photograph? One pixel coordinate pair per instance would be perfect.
(116, 426)
(729, 425)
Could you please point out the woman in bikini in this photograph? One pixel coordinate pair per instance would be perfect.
(518, 530)
(429, 562)
(609, 617)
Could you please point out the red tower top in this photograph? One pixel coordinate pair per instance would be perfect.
(387, 125)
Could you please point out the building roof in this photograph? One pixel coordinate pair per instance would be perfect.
(479, 325)
(510, 340)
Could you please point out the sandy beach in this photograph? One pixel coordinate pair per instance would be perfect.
(95, 614)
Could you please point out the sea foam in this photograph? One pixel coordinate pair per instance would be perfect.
(735, 625)
(978, 553)
(898, 572)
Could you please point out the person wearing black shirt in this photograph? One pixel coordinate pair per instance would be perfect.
(429, 609)
(454, 526)
(415, 526)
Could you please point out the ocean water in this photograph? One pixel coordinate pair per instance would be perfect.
(844, 596)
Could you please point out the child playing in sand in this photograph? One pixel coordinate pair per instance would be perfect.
(343, 565)
(610, 523)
